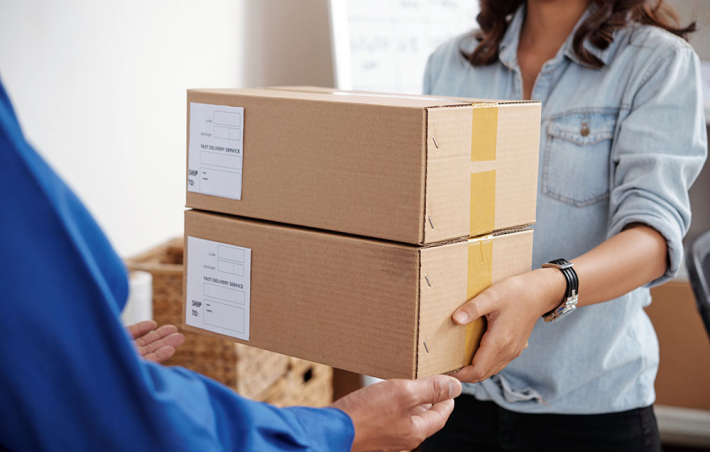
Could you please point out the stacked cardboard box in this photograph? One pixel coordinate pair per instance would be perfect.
(345, 228)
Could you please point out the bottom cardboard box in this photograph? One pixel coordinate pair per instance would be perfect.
(359, 304)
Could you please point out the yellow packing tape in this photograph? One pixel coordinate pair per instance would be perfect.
(484, 137)
(484, 131)
(480, 276)
(483, 202)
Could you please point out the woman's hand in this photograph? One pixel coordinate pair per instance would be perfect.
(155, 345)
(512, 307)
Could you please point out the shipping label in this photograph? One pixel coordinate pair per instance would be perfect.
(218, 287)
(216, 150)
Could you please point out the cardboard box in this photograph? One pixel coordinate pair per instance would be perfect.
(684, 372)
(363, 305)
(412, 169)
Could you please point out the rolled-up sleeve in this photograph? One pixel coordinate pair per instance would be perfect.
(660, 148)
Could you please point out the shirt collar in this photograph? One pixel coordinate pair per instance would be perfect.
(508, 49)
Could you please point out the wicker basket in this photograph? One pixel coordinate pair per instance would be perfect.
(247, 370)
(305, 384)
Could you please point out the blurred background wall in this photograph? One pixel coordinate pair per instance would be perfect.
(99, 88)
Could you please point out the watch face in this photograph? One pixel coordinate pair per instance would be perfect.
(566, 310)
(567, 306)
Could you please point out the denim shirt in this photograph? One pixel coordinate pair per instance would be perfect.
(618, 145)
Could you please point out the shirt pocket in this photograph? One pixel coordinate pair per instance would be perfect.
(576, 161)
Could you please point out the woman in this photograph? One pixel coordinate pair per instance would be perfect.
(622, 139)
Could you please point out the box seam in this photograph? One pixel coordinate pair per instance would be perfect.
(512, 230)
(305, 229)
(419, 304)
(426, 175)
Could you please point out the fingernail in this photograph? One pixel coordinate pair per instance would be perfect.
(461, 317)
(451, 389)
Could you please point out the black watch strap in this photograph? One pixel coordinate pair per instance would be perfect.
(567, 269)
(569, 302)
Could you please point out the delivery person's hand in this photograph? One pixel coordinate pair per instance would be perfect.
(155, 344)
(399, 414)
(511, 307)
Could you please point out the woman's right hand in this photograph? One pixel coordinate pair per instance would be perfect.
(399, 414)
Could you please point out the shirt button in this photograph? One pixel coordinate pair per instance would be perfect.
(584, 131)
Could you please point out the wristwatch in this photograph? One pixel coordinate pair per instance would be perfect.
(569, 302)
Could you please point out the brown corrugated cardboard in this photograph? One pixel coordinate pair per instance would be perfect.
(412, 169)
(684, 371)
(364, 305)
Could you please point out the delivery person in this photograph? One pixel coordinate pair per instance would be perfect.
(70, 379)
(622, 139)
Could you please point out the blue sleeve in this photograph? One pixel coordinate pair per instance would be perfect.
(69, 376)
(659, 151)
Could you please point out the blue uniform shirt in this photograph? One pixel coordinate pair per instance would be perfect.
(618, 145)
(70, 379)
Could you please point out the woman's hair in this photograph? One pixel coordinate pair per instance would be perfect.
(598, 28)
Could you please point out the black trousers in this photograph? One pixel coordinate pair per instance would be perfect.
(476, 426)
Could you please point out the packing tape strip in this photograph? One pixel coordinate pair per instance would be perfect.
(480, 277)
(484, 131)
(483, 203)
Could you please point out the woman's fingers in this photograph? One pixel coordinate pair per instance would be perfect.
(496, 351)
(482, 304)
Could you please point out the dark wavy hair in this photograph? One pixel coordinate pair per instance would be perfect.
(609, 15)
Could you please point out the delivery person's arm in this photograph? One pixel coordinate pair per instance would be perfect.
(71, 380)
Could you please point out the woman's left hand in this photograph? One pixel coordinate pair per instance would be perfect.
(512, 307)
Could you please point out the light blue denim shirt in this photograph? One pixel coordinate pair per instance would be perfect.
(618, 145)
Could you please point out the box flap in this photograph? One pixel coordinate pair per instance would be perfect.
(482, 165)
(333, 95)
(448, 151)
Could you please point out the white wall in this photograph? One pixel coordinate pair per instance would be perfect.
(99, 87)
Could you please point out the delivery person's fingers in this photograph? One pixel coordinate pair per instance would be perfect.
(420, 408)
(156, 335)
(141, 328)
(432, 420)
(161, 355)
(432, 390)
(173, 340)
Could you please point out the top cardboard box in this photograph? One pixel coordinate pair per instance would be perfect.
(411, 169)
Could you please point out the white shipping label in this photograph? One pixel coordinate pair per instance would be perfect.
(218, 287)
(216, 150)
